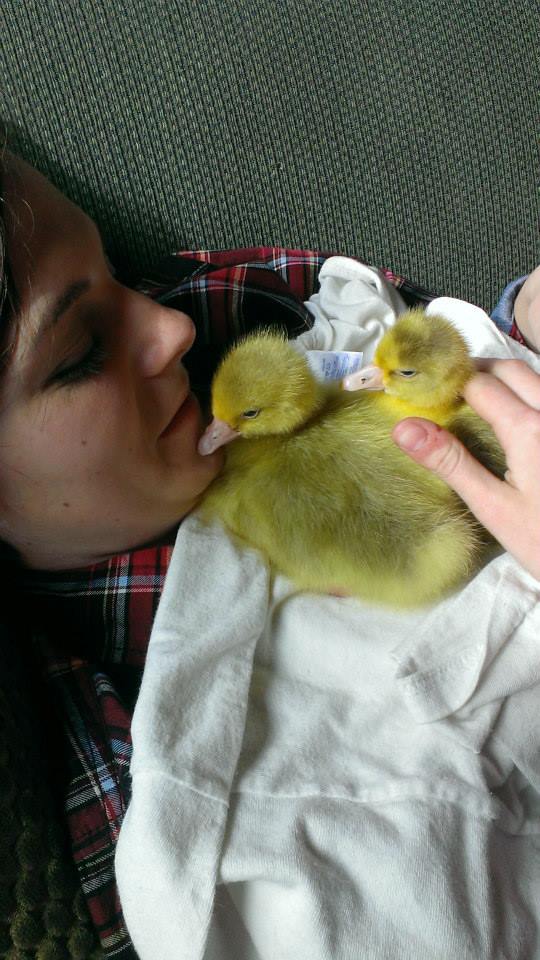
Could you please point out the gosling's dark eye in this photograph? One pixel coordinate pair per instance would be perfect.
(250, 414)
(406, 373)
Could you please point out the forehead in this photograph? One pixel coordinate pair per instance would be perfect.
(41, 225)
(36, 214)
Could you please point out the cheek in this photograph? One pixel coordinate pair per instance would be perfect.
(64, 435)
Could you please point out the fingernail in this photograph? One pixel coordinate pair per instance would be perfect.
(411, 436)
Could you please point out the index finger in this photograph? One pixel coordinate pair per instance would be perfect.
(499, 405)
(517, 375)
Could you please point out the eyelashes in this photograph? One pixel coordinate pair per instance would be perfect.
(92, 362)
(90, 365)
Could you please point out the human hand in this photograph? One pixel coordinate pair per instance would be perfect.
(506, 393)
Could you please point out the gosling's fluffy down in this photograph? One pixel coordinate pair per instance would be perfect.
(314, 481)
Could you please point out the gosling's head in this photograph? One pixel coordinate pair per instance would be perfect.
(262, 387)
(422, 360)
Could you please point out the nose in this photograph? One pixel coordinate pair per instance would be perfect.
(162, 336)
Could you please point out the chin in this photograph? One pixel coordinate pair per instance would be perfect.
(206, 470)
(214, 461)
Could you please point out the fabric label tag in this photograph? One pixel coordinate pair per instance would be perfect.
(333, 364)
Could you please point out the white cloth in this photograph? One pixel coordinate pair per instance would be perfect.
(354, 306)
(318, 779)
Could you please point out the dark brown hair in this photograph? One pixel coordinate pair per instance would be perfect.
(9, 300)
(3, 244)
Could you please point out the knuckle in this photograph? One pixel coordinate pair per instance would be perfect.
(530, 424)
(447, 459)
(517, 366)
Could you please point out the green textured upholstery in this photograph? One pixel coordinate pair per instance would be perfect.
(401, 131)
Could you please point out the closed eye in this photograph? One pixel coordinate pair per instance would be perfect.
(406, 373)
(88, 366)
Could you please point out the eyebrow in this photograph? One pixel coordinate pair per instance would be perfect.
(62, 303)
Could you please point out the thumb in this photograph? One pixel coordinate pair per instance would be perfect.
(443, 454)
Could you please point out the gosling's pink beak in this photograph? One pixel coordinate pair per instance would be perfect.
(216, 434)
(368, 378)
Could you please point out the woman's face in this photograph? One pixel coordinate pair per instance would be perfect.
(98, 428)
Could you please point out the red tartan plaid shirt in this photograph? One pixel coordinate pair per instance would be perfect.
(92, 625)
